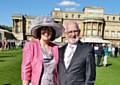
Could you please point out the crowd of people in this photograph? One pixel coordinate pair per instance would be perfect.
(7, 44)
(102, 51)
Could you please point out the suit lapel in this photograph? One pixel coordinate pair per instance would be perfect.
(62, 55)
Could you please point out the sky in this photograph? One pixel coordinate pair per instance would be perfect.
(44, 7)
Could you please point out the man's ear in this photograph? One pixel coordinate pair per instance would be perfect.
(65, 34)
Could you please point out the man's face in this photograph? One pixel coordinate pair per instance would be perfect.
(72, 33)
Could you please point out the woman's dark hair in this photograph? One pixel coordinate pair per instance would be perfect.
(38, 35)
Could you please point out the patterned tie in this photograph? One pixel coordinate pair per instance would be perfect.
(69, 56)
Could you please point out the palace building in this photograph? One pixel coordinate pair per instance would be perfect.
(93, 23)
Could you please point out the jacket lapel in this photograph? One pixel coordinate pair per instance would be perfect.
(62, 55)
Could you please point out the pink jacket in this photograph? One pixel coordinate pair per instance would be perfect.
(31, 67)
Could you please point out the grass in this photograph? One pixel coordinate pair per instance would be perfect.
(10, 63)
(109, 75)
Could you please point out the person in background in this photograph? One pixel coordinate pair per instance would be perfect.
(99, 55)
(40, 55)
(116, 51)
(76, 60)
(113, 50)
(105, 48)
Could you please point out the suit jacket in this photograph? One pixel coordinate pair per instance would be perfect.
(82, 69)
(31, 68)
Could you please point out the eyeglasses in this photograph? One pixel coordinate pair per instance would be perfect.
(73, 31)
(46, 30)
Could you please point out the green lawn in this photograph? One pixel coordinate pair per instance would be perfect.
(109, 75)
(10, 62)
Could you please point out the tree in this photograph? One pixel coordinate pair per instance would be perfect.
(6, 28)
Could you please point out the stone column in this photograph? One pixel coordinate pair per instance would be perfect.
(91, 29)
(86, 28)
(83, 28)
(14, 26)
(97, 28)
(101, 29)
(20, 27)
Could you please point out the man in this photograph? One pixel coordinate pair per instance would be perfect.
(100, 53)
(77, 62)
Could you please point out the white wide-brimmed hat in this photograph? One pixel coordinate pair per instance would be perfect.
(39, 22)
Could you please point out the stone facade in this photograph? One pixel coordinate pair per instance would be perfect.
(92, 22)
(5, 34)
(21, 26)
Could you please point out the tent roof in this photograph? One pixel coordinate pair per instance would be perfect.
(94, 40)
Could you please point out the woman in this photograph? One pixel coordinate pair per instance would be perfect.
(40, 56)
(105, 55)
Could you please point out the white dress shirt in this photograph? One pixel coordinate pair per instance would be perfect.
(70, 49)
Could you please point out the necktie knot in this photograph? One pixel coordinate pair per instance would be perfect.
(71, 46)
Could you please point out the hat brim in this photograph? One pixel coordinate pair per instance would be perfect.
(59, 29)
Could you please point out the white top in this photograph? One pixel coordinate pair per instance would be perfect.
(70, 50)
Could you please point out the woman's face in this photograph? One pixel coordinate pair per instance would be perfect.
(46, 33)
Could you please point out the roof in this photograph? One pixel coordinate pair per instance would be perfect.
(93, 39)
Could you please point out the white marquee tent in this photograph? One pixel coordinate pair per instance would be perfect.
(94, 40)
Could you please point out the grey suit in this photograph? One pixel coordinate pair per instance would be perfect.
(82, 69)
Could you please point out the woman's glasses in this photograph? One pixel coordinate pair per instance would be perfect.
(46, 30)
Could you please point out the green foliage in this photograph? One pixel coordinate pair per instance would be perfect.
(6, 27)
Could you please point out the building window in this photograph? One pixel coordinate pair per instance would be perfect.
(113, 18)
(113, 33)
(89, 32)
(118, 34)
(29, 31)
(107, 17)
(79, 16)
(29, 22)
(95, 32)
(56, 14)
(66, 16)
(119, 18)
(17, 30)
(72, 15)
(106, 33)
